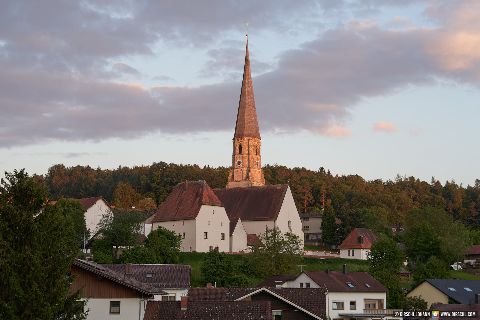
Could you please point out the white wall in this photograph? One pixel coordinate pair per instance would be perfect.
(346, 297)
(289, 212)
(214, 221)
(302, 278)
(359, 254)
(94, 215)
(238, 240)
(257, 227)
(180, 227)
(130, 309)
(177, 292)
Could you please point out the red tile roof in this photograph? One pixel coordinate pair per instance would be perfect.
(336, 281)
(208, 310)
(359, 238)
(185, 200)
(473, 250)
(88, 202)
(252, 203)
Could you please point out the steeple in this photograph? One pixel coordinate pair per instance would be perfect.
(247, 124)
(246, 159)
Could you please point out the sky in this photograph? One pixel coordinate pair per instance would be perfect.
(377, 88)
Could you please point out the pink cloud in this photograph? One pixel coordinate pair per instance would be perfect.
(335, 131)
(383, 126)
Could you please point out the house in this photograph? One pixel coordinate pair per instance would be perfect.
(446, 291)
(171, 281)
(194, 212)
(264, 303)
(357, 244)
(349, 295)
(108, 294)
(312, 227)
(472, 255)
(95, 208)
(228, 218)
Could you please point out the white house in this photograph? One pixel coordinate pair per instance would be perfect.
(121, 292)
(349, 295)
(194, 212)
(357, 244)
(95, 208)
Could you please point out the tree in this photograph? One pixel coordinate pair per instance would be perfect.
(37, 249)
(146, 204)
(276, 253)
(164, 244)
(385, 260)
(414, 304)
(434, 268)
(119, 229)
(125, 196)
(421, 242)
(222, 270)
(74, 211)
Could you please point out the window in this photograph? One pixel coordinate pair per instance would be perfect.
(306, 227)
(373, 304)
(353, 305)
(350, 285)
(349, 252)
(208, 222)
(289, 225)
(210, 248)
(337, 305)
(306, 218)
(223, 236)
(115, 307)
(205, 235)
(149, 275)
(468, 289)
(169, 297)
(307, 284)
(183, 235)
(301, 284)
(360, 239)
(452, 289)
(183, 222)
(367, 285)
(277, 314)
(353, 252)
(240, 149)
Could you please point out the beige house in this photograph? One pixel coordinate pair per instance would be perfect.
(446, 291)
(194, 212)
(95, 209)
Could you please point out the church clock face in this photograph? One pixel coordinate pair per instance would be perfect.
(239, 163)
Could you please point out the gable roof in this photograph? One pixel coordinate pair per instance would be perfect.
(473, 250)
(310, 301)
(158, 276)
(116, 277)
(359, 238)
(261, 203)
(208, 310)
(185, 200)
(457, 290)
(87, 203)
(335, 281)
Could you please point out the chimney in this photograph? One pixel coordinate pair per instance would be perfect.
(128, 269)
(209, 285)
(477, 298)
(344, 269)
(184, 303)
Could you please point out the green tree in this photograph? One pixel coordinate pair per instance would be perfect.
(276, 253)
(329, 228)
(433, 268)
(421, 242)
(385, 260)
(414, 304)
(223, 270)
(73, 210)
(125, 196)
(37, 249)
(164, 245)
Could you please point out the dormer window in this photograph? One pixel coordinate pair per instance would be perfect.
(350, 285)
(360, 239)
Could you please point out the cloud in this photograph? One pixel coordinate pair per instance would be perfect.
(57, 82)
(384, 126)
(123, 68)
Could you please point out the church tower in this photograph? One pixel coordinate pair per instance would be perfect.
(246, 168)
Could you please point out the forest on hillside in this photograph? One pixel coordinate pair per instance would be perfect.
(352, 198)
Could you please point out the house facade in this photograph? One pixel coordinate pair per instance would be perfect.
(357, 244)
(194, 212)
(95, 209)
(312, 227)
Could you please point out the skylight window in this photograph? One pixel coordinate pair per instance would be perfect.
(452, 289)
(149, 275)
(350, 285)
(367, 285)
(468, 289)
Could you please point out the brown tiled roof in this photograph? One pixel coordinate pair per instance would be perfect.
(208, 310)
(252, 203)
(114, 276)
(473, 250)
(247, 123)
(252, 239)
(311, 300)
(88, 202)
(276, 280)
(359, 238)
(185, 200)
(158, 276)
(336, 281)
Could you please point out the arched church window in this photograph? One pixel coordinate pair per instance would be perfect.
(240, 149)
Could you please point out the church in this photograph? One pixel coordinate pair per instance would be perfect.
(231, 219)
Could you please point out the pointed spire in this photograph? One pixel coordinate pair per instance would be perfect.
(247, 124)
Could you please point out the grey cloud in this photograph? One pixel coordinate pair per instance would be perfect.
(123, 68)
